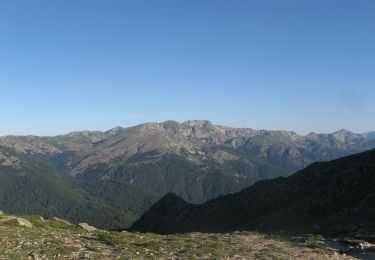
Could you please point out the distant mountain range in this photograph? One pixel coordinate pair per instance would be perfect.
(122, 172)
(336, 198)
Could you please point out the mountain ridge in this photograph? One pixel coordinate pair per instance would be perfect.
(129, 169)
(191, 135)
(192, 122)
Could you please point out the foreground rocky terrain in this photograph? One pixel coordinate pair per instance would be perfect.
(32, 237)
(111, 178)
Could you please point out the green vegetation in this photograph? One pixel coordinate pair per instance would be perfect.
(10, 223)
(38, 189)
(109, 238)
(199, 245)
(315, 241)
(114, 202)
(53, 223)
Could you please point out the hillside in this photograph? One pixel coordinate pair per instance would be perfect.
(123, 171)
(32, 237)
(335, 198)
(29, 187)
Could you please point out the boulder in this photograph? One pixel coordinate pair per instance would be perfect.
(364, 246)
(18, 221)
(86, 227)
(61, 220)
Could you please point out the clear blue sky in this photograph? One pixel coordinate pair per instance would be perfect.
(85, 64)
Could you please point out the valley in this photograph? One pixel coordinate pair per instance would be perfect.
(120, 173)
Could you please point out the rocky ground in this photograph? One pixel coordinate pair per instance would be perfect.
(58, 239)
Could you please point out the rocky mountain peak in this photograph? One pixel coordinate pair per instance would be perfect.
(172, 126)
(84, 133)
(199, 123)
(343, 132)
(312, 135)
(345, 135)
(171, 199)
(114, 131)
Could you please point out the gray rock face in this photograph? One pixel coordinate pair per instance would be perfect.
(8, 160)
(87, 227)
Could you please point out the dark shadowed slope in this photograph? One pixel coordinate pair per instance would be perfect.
(330, 197)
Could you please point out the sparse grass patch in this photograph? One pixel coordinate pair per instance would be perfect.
(37, 221)
(54, 239)
(10, 223)
(109, 238)
(277, 237)
(315, 241)
(53, 223)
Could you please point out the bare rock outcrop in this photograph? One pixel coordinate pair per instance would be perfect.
(87, 227)
(17, 221)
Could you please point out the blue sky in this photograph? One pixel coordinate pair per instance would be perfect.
(300, 65)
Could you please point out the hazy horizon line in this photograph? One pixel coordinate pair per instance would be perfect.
(103, 130)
